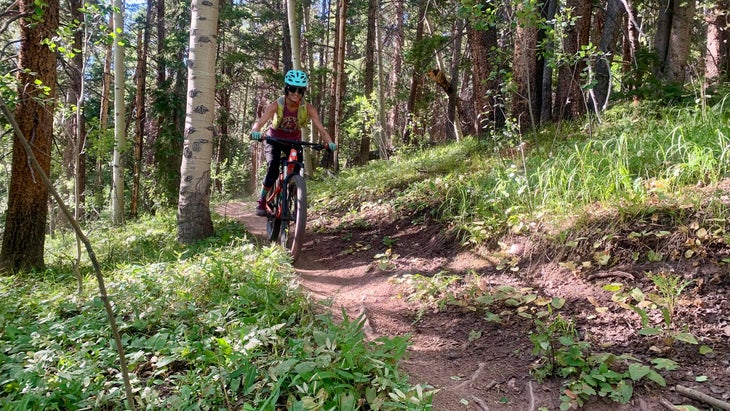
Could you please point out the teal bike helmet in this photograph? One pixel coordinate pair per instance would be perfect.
(296, 78)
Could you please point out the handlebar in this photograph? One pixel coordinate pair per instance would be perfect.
(315, 146)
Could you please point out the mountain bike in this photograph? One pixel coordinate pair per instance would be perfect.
(286, 203)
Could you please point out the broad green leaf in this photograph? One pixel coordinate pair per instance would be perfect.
(624, 391)
(650, 331)
(657, 378)
(664, 364)
(704, 350)
(613, 287)
(638, 371)
(686, 337)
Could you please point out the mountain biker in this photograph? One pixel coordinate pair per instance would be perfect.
(290, 113)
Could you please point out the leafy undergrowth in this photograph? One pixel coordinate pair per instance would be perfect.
(218, 326)
(638, 213)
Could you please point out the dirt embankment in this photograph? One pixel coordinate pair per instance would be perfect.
(480, 365)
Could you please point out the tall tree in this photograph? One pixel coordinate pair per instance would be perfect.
(74, 157)
(394, 81)
(338, 83)
(369, 73)
(683, 12)
(549, 8)
(416, 80)
(120, 123)
(569, 101)
(612, 24)
(524, 69)
(193, 217)
(104, 103)
(140, 104)
(718, 40)
(672, 40)
(25, 220)
(482, 39)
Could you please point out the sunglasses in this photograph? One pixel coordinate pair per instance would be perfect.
(292, 89)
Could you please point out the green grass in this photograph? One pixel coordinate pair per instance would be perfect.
(220, 325)
(638, 156)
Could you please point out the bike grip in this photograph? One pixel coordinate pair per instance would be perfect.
(256, 135)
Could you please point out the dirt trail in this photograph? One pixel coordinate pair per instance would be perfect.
(475, 365)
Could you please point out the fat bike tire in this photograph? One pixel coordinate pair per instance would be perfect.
(273, 228)
(292, 231)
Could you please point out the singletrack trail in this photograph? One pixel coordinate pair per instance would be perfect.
(474, 364)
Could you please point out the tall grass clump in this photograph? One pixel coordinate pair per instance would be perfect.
(221, 325)
(635, 156)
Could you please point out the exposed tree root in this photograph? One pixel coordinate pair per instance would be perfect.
(480, 403)
(615, 273)
(474, 377)
(532, 396)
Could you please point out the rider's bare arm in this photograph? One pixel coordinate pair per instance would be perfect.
(265, 117)
(312, 113)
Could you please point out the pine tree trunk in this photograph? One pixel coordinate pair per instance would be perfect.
(718, 36)
(369, 76)
(611, 31)
(394, 117)
(25, 220)
(570, 102)
(524, 100)
(411, 127)
(140, 123)
(679, 41)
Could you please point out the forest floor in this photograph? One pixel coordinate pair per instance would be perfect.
(480, 365)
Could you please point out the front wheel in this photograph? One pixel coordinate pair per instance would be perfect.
(292, 229)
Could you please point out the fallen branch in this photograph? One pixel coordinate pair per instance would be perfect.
(696, 395)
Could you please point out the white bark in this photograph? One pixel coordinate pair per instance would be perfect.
(194, 221)
(294, 34)
(117, 201)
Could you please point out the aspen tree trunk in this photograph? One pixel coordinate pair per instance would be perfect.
(193, 218)
(294, 30)
(291, 13)
(117, 205)
(105, 101)
(309, 135)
